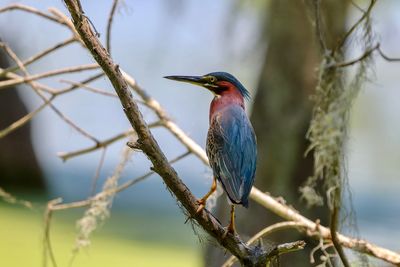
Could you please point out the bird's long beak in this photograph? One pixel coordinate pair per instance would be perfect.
(197, 80)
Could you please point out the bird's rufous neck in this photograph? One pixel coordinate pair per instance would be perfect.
(230, 96)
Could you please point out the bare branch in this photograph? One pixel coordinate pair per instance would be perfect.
(290, 214)
(7, 197)
(141, 178)
(88, 88)
(109, 24)
(74, 125)
(150, 146)
(32, 10)
(126, 185)
(319, 25)
(47, 248)
(387, 58)
(288, 247)
(334, 225)
(359, 21)
(14, 82)
(97, 173)
(41, 54)
(102, 144)
(24, 120)
(77, 85)
(39, 86)
(44, 98)
(354, 61)
(267, 231)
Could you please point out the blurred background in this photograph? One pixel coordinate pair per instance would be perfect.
(268, 45)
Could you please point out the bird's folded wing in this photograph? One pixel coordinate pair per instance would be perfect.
(234, 157)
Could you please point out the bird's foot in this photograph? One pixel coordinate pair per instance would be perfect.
(230, 229)
(202, 204)
(202, 201)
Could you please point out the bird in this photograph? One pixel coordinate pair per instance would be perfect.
(231, 145)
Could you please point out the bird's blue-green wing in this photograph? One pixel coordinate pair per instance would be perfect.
(232, 150)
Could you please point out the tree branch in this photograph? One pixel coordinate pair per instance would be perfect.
(41, 54)
(316, 231)
(31, 10)
(269, 230)
(355, 25)
(13, 82)
(248, 256)
(109, 24)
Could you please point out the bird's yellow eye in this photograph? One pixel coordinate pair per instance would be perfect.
(212, 79)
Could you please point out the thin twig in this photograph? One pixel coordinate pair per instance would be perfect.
(41, 54)
(7, 197)
(30, 10)
(24, 120)
(47, 248)
(354, 61)
(109, 24)
(387, 58)
(101, 144)
(20, 64)
(122, 187)
(40, 86)
(319, 25)
(321, 246)
(290, 214)
(267, 231)
(74, 125)
(355, 25)
(66, 21)
(141, 178)
(14, 82)
(78, 84)
(88, 88)
(334, 226)
(97, 173)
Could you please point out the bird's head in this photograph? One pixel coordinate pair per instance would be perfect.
(217, 82)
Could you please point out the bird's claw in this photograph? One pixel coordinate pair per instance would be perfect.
(201, 203)
(229, 230)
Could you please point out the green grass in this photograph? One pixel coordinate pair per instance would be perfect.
(21, 232)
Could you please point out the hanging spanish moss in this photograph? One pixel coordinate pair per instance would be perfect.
(339, 83)
(335, 93)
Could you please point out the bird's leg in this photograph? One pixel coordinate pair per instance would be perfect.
(231, 227)
(202, 201)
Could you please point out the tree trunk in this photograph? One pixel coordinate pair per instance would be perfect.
(19, 168)
(281, 116)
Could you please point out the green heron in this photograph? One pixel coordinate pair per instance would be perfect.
(231, 143)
